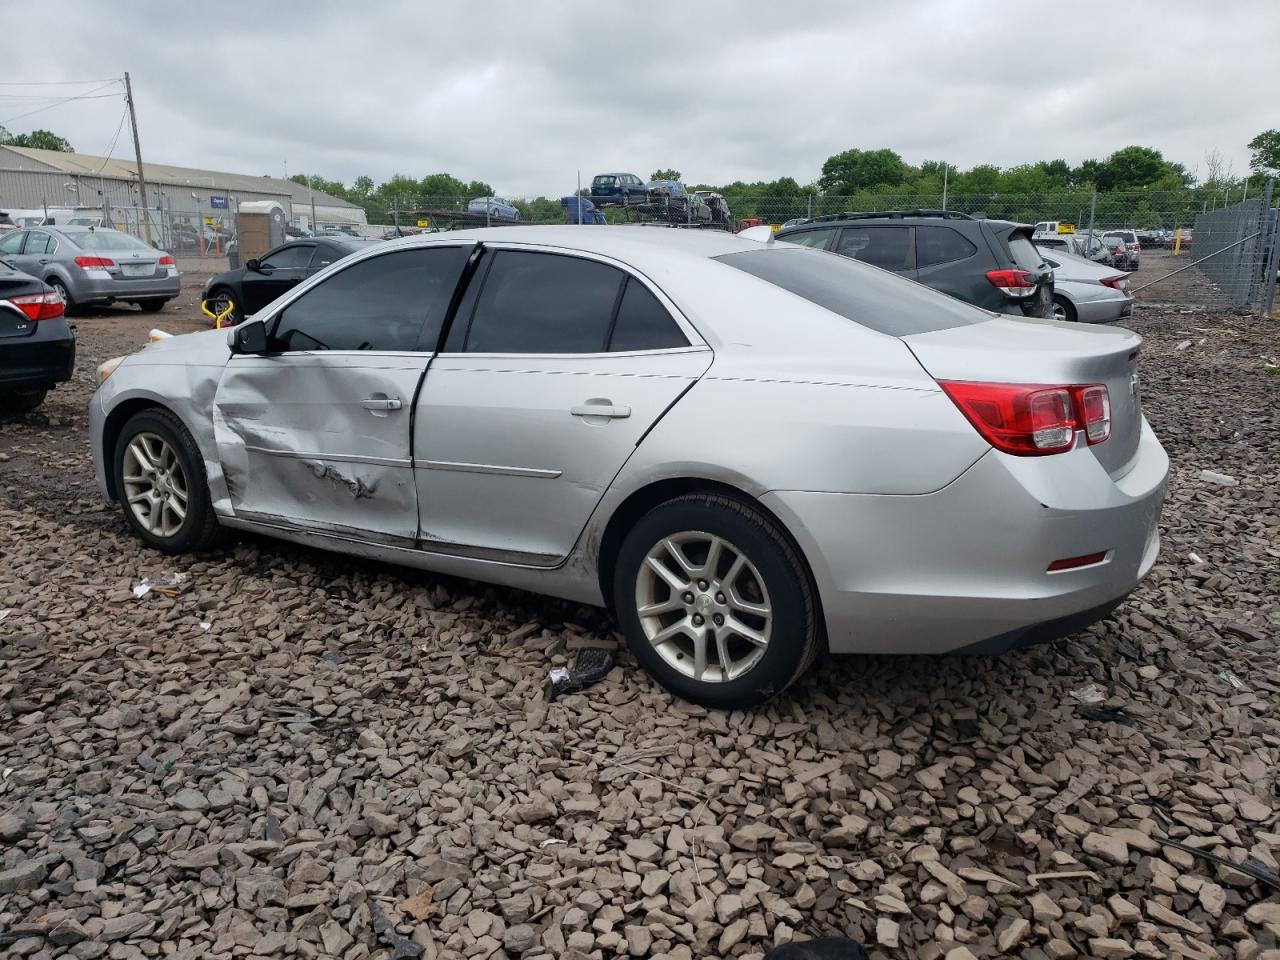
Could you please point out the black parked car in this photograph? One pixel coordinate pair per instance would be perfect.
(990, 263)
(258, 282)
(37, 346)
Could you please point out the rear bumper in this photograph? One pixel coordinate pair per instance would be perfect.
(967, 566)
(87, 289)
(1104, 309)
(46, 357)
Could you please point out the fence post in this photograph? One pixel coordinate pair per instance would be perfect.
(1093, 207)
(1273, 258)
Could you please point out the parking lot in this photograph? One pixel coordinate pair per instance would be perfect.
(305, 754)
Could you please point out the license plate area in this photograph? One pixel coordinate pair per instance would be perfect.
(137, 269)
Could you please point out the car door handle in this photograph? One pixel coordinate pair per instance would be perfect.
(600, 408)
(381, 403)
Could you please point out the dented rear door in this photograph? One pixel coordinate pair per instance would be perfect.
(316, 434)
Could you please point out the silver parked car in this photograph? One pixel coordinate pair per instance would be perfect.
(752, 451)
(95, 265)
(1086, 292)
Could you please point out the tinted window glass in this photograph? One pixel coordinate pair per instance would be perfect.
(643, 322)
(106, 239)
(13, 242)
(604, 181)
(887, 247)
(1025, 255)
(876, 300)
(289, 258)
(543, 303)
(810, 238)
(377, 304)
(941, 245)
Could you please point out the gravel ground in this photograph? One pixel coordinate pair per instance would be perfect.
(308, 755)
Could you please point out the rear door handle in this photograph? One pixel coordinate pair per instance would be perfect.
(381, 403)
(600, 408)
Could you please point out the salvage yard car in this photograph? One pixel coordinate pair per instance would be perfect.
(1085, 292)
(889, 471)
(37, 346)
(89, 265)
(494, 207)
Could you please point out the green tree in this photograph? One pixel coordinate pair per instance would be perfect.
(665, 175)
(855, 170)
(1266, 152)
(1131, 168)
(36, 139)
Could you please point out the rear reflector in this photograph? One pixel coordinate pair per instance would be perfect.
(95, 262)
(1088, 560)
(1033, 420)
(40, 306)
(1012, 283)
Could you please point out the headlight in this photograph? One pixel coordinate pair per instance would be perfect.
(108, 367)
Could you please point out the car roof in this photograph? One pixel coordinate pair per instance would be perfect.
(630, 244)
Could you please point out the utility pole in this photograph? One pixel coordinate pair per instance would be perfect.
(137, 152)
(944, 186)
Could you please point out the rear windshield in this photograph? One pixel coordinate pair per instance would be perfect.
(876, 299)
(1025, 254)
(106, 240)
(604, 181)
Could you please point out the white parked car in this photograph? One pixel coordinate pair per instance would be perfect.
(1086, 291)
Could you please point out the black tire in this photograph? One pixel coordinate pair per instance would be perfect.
(795, 633)
(1068, 308)
(151, 306)
(217, 293)
(22, 401)
(200, 529)
(69, 305)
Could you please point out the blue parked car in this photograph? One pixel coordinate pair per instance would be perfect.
(495, 207)
(664, 191)
(590, 213)
(617, 188)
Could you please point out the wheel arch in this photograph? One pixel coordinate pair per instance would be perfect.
(645, 498)
(114, 423)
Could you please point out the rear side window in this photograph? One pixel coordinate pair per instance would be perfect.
(41, 243)
(604, 181)
(819, 239)
(1024, 253)
(544, 303)
(886, 247)
(871, 298)
(941, 245)
(382, 303)
(643, 323)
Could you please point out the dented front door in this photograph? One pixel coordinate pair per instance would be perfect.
(320, 440)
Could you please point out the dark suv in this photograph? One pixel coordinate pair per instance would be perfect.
(990, 263)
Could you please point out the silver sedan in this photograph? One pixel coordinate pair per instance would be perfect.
(1087, 292)
(751, 451)
(95, 265)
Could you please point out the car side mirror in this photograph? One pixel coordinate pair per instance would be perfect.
(253, 265)
(249, 337)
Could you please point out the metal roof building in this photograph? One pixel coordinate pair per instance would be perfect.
(33, 179)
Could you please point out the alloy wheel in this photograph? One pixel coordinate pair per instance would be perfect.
(703, 606)
(1059, 311)
(155, 484)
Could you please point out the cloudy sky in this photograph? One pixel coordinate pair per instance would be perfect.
(524, 94)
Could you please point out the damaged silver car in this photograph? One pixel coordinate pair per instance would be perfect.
(751, 451)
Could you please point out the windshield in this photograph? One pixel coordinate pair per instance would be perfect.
(874, 298)
(106, 240)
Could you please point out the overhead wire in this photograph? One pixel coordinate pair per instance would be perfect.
(87, 95)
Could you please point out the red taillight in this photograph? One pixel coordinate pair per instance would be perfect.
(1033, 420)
(1118, 282)
(40, 306)
(1013, 283)
(95, 262)
(166, 261)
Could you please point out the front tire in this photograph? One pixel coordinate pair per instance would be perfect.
(218, 299)
(1064, 309)
(161, 484)
(715, 601)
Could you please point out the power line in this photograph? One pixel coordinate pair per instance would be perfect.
(79, 96)
(53, 83)
(114, 140)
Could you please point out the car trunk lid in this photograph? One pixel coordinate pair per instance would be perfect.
(1031, 351)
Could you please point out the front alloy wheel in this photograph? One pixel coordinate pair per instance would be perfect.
(155, 485)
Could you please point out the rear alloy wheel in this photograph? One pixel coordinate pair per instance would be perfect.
(1064, 309)
(715, 602)
(60, 288)
(160, 482)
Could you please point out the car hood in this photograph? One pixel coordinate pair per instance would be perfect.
(203, 347)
